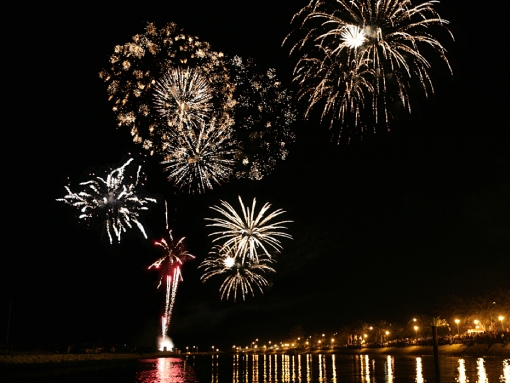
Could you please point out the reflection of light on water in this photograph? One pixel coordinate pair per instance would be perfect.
(505, 378)
(214, 369)
(293, 368)
(300, 375)
(235, 368)
(321, 377)
(269, 373)
(276, 368)
(246, 371)
(389, 369)
(333, 363)
(255, 368)
(166, 370)
(482, 376)
(365, 369)
(419, 371)
(265, 364)
(462, 372)
(308, 368)
(285, 368)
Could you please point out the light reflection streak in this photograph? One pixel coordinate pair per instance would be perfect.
(265, 364)
(419, 371)
(255, 368)
(366, 368)
(308, 368)
(505, 378)
(482, 375)
(246, 370)
(322, 368)
(166, 370)
(276, 368)
(214, 369)
(362, 365)
(389, 369)
(235, 368)
(462, 371)
(333, 363)
(285, 369)
(270, 373)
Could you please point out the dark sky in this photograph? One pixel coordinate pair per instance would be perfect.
(382, 229)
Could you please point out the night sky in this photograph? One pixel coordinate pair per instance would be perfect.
(383, 229)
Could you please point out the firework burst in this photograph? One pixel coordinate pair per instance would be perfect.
(164, 83)
(264, 114)
(249, 234)
(169, 268)
(113, 199)
(197, 158)
(239, 276)
(182, 97)
(164, 78)
(386, 39)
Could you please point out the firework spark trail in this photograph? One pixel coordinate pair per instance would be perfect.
(239, 276)
(248, 233)
(113, 199)
(169, 267)
(385, 37)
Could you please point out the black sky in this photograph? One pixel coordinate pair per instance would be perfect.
(382, 229)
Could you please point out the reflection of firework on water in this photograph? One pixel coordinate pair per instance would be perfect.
(384, 38)
(195, 158)
(165, 82)
(183, 97)
(264, 113)
(114, 199)
(239, 275)
(169, 268)
(249, 234)
(141, 69)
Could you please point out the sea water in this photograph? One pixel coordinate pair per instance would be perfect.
(309, 368)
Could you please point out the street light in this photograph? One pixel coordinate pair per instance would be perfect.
(476, 323)
(457, 321)
(501, 317)
(416, 332)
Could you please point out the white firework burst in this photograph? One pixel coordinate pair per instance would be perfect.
(182, 96)
(113, 199)
(197, 158)
(387, 37)
(239, 276)
(251, 235)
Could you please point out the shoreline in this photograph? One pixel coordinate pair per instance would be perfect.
(477, 350)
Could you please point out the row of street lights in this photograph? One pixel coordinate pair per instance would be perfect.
(322, 340)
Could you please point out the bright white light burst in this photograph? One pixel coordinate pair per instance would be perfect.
(113, 199)
(353, 36)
